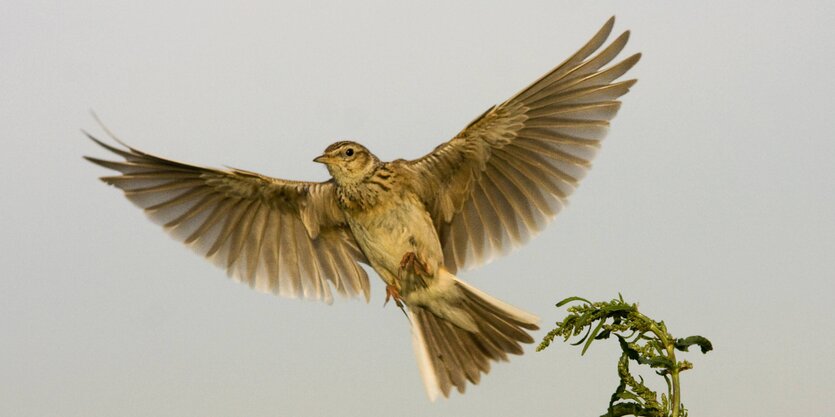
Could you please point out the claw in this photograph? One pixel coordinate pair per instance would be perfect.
(392, 292)
(419, 267)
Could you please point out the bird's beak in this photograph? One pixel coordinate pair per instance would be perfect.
(323, 159)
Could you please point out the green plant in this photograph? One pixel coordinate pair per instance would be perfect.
(642, 340)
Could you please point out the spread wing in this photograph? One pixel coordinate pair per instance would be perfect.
(508, 173)
(283, 237)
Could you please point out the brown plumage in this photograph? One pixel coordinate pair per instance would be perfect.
(490, 188)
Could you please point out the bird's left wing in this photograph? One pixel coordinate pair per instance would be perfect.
(510, 171)
(279, 236)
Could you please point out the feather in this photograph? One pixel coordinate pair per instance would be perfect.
(513, 167)
(246, 223)
(449, 355)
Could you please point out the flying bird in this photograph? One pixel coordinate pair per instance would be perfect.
(416, 223)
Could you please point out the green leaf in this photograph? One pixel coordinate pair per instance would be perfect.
(684, 344)
(621, 307)
(630, 409)
(592, 336)
(618, 394)
(571, 299)
(583, 339)
(630, 353)
(642, 340)
(626, 395)
(659, 362)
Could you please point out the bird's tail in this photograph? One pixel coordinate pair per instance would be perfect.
(449, 355)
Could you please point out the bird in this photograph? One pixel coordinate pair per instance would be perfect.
(416, 223)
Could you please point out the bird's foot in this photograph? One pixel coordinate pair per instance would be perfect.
(393, 293)
(412, 261)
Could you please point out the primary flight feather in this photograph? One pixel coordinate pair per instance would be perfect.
(416, 223)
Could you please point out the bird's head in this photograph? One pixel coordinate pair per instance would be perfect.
(348, 162)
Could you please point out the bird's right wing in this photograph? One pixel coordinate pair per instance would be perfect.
(283, 237)
(508, 173)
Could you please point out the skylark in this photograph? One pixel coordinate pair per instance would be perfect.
(416, 223)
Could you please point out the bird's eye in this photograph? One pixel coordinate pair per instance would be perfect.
(349, 152)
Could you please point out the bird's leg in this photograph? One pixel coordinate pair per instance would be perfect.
(393, 292)
(411, 263)
(419, 267)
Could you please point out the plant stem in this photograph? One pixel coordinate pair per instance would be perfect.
(662, 334)
(642, 340)
(676, 394)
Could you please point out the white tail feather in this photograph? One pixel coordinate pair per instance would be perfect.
(427, 371)
(512, 311)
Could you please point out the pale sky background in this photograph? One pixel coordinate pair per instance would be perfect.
(712, 202)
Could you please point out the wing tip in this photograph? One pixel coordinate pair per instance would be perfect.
(633, 59)
(109, 132)
(607, 27)
(121, 152)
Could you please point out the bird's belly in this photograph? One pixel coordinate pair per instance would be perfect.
(387, 232)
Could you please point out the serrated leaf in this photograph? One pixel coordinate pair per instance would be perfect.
(630, 409)
(684, 344)
(641, 339)
(617, 394)
(630, 353)
(626, 395)
(620, 307)
(659, 362)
